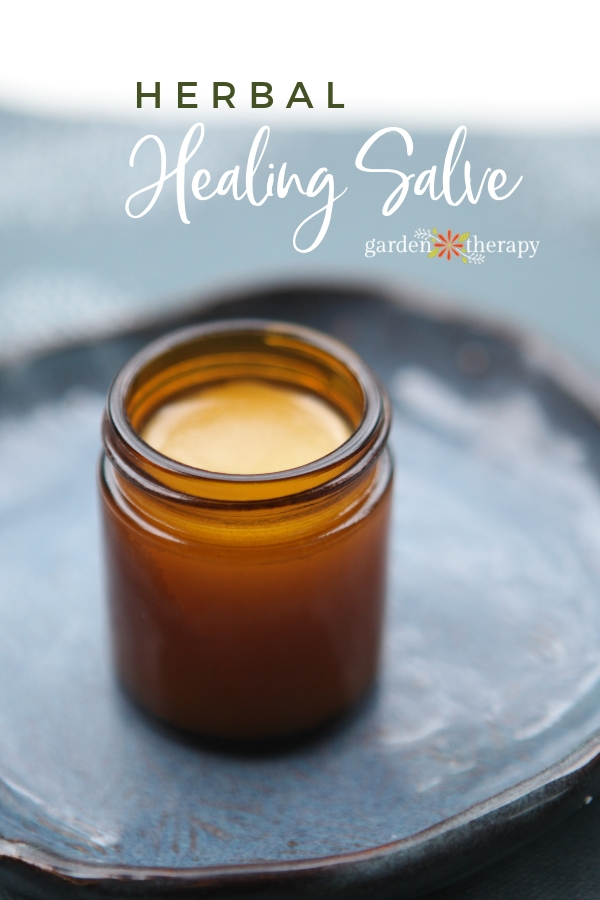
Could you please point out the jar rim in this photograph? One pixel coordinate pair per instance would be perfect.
(120, 434)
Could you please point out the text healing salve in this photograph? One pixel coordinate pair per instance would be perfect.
(246, 491)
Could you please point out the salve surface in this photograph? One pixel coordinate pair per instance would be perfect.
(246, 427)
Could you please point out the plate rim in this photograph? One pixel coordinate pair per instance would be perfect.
(508, 803)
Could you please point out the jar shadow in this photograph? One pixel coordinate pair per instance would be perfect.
(258, 748)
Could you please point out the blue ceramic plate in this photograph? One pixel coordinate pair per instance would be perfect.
(483, 728)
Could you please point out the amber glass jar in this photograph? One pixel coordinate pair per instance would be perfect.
(246, 606)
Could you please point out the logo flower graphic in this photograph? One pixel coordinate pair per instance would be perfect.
(448, 246)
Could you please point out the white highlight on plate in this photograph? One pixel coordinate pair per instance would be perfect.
(496, 496)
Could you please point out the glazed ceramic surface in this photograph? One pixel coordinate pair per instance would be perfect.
(491, 667)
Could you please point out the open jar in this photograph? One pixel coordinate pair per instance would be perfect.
(246, 605)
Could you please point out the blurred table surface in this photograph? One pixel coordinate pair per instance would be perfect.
(563, 864)
(72, 265)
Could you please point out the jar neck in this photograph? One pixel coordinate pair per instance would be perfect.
(320, 515)
(272, 351)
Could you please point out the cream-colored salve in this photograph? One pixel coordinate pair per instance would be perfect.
(246, 427)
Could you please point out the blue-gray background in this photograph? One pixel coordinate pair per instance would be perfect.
(73, 264)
